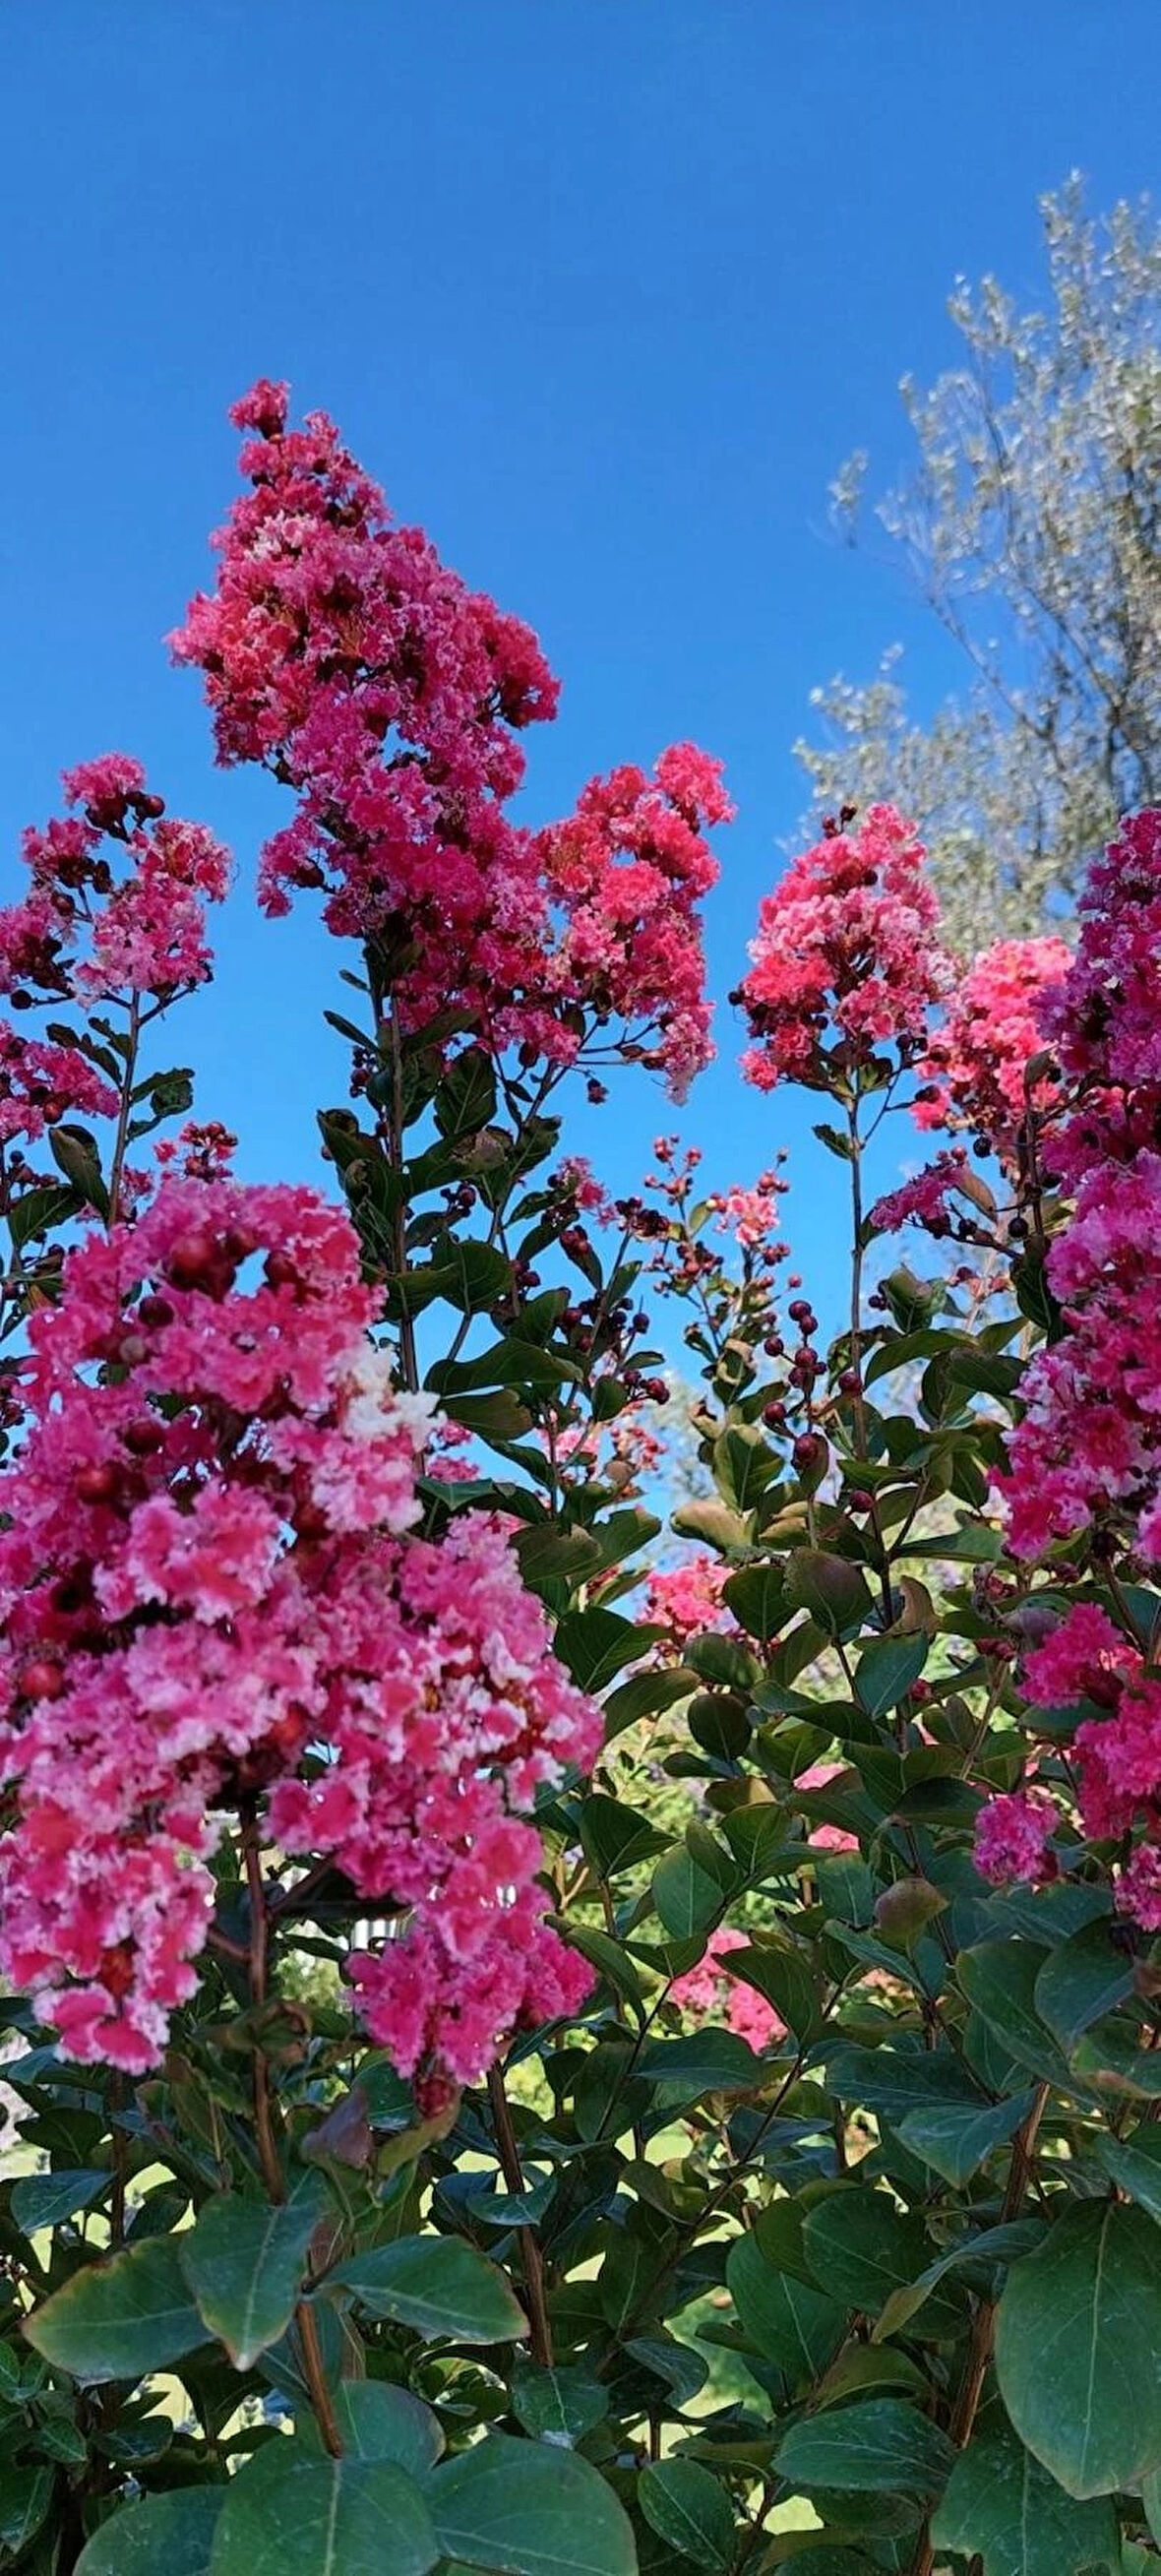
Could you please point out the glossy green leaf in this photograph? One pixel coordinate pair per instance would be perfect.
(558, 2405)
(787, 2320)
(1078, 2349)
(378, 2421)
(881, 2445)
(244, 2263)
(530, 2509)
(44, 2200)
(956, 2138)
(999, 1980)
(1001, 2505)
(288, 2513)
(1087, 1977)
(690, 2509)
(120, 2319)
(438, 2286)
(164, 2535)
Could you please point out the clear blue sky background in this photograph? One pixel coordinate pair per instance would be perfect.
(602, 290)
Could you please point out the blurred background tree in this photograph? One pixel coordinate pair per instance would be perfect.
(1031, 526)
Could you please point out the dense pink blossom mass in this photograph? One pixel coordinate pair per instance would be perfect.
(847, 958)
(343, 654)
(213, 1595)
(1089, 1447)
(973, 1073)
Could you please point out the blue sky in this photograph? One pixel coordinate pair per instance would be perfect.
(602, 291)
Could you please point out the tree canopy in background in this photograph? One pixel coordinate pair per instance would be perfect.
(1030, 524)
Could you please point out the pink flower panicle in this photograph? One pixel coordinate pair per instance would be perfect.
(975, 1067)
(1013, 1835)
(847, 959)
(82, 930)
(1087, 1449)
(341, 653)
(625, 877)
(212, 1595)
(338, 651)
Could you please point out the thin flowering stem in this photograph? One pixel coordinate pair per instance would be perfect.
(530, 2254)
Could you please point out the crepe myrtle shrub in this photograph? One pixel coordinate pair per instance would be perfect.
(535, 2042)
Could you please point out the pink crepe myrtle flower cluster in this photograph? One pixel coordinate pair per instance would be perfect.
(974, 1071)
(84, 930)
(1102, 1019)
(1088, 1448)
(928, 1198)
(625, 877)
(847, 958)
(340, 652)
(708, 1989)
(686, 1599)
(213, 1596)
(1087, 1662)
(40, 1084)
(752, 1216)
(1013, 1837)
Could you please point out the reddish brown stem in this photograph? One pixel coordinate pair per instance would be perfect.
(530, 2254)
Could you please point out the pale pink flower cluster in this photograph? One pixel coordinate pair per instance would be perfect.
(215, 1605)
(84, 929)
(847, 959)
(708, 1991)
(974, 1070)
(752, 1216)
(686, 1600)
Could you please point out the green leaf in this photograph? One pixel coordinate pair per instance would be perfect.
(558, 2405)
(1001, 2506)
(690, 2509)
(894, 2081)
(1078, 2349)
(999, 1980)
(244, 2262)
(607, 1955)
(980, 2254)
(43, 2200)
(26, 2493)
(289, 2514)
(829, 1587)
(860, 2248)
(378, 2421)
(956, 2138)
(1134, 2164)
(708, 2061)
(614, 1836)
(790, 2324)
(595, 1643)
(439, 2287)
(757, 1597)
(122, 2319)
(783, 1976)
(530, 2509)
(880, 2446)
(886, 1670)
(687, 1899)
(466, 1098)
(1085, 1978)
(165, 2535)
(75, 1154)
